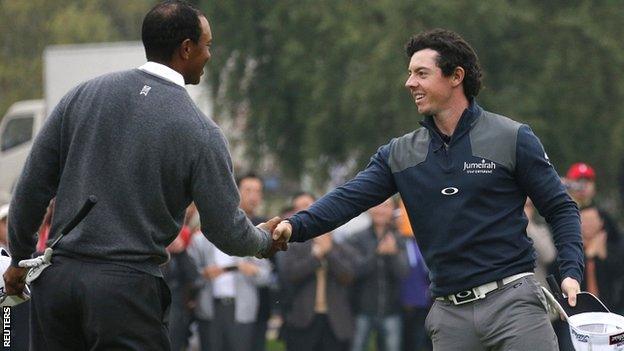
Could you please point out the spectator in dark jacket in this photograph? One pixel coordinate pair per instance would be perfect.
(602, 242)
(415, 295)
(320, 272)
(604, 262)
(380, 269)
(317, 275)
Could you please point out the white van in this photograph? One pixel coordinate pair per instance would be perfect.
(65, 66)
(17, 130)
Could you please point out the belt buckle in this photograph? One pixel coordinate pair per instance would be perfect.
(226, 301)
(463, 297)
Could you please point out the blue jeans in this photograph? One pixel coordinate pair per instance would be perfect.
(388, 330)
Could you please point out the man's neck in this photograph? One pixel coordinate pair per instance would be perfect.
(448, 119)
(165, 63)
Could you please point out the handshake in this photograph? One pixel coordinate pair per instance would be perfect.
(280, 231)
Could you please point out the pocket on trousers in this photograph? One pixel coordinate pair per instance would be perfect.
(537, 293)
(428, 319)
(165, 299)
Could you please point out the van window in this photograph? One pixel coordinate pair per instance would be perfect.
(17, 131)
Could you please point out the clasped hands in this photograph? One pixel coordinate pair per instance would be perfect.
(280, 231)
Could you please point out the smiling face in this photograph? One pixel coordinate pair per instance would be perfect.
(198, 54)
(431, 90)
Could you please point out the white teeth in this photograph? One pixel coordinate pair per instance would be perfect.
(419, 96)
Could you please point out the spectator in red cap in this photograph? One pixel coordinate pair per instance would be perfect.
(604, 263)
(580, 181)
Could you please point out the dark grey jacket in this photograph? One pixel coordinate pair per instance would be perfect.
(139, 143)
(378, 277)
(297, 268)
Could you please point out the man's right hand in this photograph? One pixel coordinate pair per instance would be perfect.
(276, 245)
(570, 287)
(15, 280)
(270, 225)
(282, 232)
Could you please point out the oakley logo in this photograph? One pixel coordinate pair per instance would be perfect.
(449, 191)
(464, 294)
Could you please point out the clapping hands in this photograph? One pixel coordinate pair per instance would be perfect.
(387, 246)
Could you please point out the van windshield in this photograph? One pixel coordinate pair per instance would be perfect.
(18, 130)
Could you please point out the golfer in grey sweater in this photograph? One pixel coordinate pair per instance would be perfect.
(136, 140)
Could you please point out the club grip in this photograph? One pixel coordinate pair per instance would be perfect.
(88, 205)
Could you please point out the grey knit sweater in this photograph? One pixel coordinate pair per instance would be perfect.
(138, 143)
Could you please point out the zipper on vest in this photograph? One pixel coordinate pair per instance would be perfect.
(447, 164)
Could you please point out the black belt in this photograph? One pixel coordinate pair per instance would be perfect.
(225, 300)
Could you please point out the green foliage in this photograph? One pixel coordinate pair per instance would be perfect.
(322, 81)
(27, 27)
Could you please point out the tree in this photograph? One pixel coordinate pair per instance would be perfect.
(27, 27)
(321, 82)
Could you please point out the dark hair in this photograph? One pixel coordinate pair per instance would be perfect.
(302, 193)
(249, 175)
(166, 26)
(453, 51)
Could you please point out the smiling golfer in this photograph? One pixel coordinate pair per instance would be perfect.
(464, 177)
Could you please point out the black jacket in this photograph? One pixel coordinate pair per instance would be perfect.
(378, 277)
(298, 273)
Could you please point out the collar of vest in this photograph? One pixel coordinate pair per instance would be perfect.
(467, 120)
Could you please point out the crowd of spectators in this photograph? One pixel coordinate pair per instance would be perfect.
(359, 289)
(367, 287)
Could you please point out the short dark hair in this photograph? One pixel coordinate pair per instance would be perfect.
(166, 26)
(302, 193)
(249, 175)
(453, 51)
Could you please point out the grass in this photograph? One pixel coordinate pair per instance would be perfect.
(275, 345)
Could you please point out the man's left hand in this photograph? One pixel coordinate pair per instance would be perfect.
(570, 287)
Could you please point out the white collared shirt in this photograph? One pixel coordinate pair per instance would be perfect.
(224, 285)
(163, 71)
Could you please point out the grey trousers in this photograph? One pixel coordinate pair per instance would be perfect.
(226, 333)
(513, 317)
